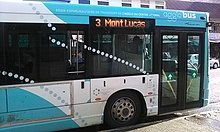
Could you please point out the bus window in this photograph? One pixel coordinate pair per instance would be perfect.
(76, 53)
(122, 54)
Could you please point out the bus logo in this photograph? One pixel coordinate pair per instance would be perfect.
(189, 15)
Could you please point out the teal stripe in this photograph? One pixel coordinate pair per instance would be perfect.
(29, 115)
(206, 71)
(25, 106)
(3, 106)
(180, 23)
(19, 99)
(163, 17)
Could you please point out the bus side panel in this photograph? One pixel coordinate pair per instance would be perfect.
(89, 113)
(81, 92)
(28, 116)
(3, 106)
(36, 103)
(45, 126)
(147, 85)
(19, 99)
(103, 88)
(152, 105)
(38, 97)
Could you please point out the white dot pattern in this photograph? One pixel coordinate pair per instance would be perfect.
(114, 58)
(98, 51)
(93, 50)
(54, 41)
(53, 28)
(16, 76)
(21, 78)
(58, 43)
(119, 59)
(4, 73)
(10, 74)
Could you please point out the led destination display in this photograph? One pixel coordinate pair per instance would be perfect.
(108, 22)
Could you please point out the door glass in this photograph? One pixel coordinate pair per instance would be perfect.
(76, 53)
(193, 69)
(169, 69)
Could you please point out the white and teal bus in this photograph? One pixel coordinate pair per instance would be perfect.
(65, 66)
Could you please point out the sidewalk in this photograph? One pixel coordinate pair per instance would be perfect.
(202, 122)
(205, 119)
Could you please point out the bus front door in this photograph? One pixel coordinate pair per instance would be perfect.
(181, 66)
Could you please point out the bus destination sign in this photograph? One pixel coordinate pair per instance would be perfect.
(119, 23)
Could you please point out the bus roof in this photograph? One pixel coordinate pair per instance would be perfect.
(56, 12)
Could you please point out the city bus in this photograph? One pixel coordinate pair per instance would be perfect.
(65, 66)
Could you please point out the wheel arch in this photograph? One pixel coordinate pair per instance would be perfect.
(140, 96)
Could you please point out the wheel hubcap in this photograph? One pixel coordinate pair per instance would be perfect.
(123, 109)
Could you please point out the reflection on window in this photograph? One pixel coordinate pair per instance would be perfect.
(23, 40)
(193, 68)
(77, 55)
(122, 54)
(32, 53)
(169, 69)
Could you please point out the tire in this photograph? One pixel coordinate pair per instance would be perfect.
(215, 66)
(122, 109)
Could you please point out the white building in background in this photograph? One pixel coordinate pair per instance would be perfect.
(208, 1)
(159, 4)
(128, 3)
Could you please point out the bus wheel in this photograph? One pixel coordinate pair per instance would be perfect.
(122, 109)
